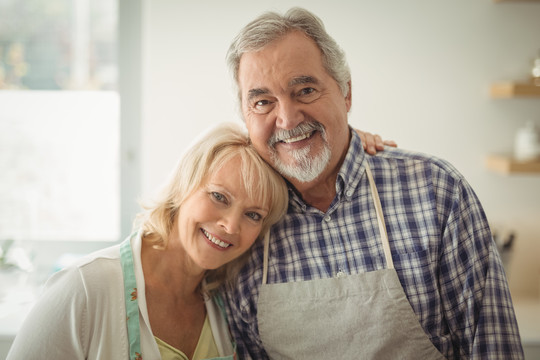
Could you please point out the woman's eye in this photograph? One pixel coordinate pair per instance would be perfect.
(254, 216)
(219, 197)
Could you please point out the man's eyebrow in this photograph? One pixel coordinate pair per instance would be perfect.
(304, 79)
(298, 80)
(253, 93)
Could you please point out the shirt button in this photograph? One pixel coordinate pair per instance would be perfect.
(327, 218)
(340, 274)
(349, 193)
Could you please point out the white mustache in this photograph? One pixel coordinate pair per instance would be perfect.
(301, 129)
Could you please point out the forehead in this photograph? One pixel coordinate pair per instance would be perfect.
(240, 176)
(291, 56)
(226, 166)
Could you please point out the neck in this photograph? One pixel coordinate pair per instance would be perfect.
(318, 193)
(175, 305)
(163, 267)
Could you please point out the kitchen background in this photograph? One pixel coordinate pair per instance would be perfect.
(422, 72)
(422, 75)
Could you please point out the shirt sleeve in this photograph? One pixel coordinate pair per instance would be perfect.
(474, 291)
(54, 328)
(242, 316)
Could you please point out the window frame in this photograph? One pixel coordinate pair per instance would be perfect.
(130, 37)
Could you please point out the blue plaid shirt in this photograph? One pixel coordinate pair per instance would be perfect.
(441, 246)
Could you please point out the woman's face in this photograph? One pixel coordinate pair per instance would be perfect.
(219, 221)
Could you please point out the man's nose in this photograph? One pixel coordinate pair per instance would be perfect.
(288, 115)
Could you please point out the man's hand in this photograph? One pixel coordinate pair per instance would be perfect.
(373, 143)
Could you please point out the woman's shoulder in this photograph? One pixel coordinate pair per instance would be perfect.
(100, 270)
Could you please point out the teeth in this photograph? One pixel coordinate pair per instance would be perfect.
(216, 241)
(298, 138)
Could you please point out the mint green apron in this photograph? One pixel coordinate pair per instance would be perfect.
(362, 316)
(132, 305)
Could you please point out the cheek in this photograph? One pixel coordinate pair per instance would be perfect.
(250, 238)
(259, 131)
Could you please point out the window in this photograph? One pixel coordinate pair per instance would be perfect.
(60, 125)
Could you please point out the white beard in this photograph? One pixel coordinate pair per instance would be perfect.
(304, 168)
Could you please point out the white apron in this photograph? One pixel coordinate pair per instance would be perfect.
(363, 316)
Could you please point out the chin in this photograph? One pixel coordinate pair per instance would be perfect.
(213, 265)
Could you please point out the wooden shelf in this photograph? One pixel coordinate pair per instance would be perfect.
(511, 89)
(506, 165)
(498, 1)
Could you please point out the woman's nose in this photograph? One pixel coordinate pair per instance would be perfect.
(230, 222)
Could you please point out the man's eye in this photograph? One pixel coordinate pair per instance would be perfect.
(254, 216)
(262, 106)
(261, 103)
(308, 95)
(307, 91)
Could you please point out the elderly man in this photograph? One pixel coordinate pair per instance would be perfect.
(379, 257)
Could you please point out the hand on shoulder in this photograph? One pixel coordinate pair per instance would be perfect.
(373, 143)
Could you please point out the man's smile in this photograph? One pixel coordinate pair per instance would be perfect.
(298, 138)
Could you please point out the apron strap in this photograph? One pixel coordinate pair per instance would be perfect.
(380, 219)
(130, 298)
(265, 258)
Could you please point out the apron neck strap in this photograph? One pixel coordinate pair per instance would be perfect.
(130, 297)
(265, 258)
(380, 221)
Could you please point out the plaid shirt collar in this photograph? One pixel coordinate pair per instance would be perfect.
(349, 176)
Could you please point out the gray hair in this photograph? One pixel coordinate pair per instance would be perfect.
(271, 26)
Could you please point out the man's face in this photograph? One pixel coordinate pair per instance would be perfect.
(294, 110)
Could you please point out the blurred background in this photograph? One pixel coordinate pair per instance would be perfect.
(99, 98)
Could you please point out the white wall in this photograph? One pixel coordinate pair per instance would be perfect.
(421, 73)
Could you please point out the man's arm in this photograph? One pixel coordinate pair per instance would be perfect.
(243, 325)
(474, 291)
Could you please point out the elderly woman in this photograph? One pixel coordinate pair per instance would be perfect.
(153, 296)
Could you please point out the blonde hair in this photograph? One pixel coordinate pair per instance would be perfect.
(206, 156)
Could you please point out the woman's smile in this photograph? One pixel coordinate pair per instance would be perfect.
(215, 242)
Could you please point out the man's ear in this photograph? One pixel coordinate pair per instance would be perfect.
(348, 97)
